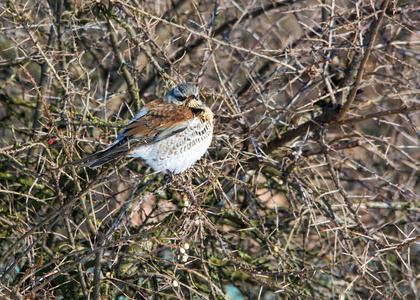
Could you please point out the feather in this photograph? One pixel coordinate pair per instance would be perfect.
(156, 121)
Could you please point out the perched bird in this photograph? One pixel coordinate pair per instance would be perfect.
(170, 134)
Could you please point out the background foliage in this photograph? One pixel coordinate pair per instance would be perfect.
(309, 190)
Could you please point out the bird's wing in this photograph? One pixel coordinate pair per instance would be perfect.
(154, 122)
(159, 122)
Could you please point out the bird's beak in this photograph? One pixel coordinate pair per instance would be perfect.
(193, 102)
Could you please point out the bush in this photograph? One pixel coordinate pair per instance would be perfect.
(309, 189)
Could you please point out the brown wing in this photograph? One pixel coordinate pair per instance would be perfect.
(159, 122)
(154, 122)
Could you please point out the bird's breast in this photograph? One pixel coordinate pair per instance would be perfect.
(181, 150)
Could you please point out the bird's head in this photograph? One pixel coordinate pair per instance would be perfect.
(185, 94)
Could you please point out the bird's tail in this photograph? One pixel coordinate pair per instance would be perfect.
(119, 148)
(99, 158)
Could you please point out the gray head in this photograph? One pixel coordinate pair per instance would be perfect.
(185, 94)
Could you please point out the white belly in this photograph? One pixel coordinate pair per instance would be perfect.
(179, 151)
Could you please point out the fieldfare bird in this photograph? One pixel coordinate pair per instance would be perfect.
(170, 133)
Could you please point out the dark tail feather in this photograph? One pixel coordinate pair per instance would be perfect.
(98, 159)
(119, 148)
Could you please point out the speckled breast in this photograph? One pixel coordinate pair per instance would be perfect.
(179, 151)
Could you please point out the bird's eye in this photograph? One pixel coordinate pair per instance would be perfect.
(181, 98)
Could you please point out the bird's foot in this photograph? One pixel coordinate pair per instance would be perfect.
(169, 178)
